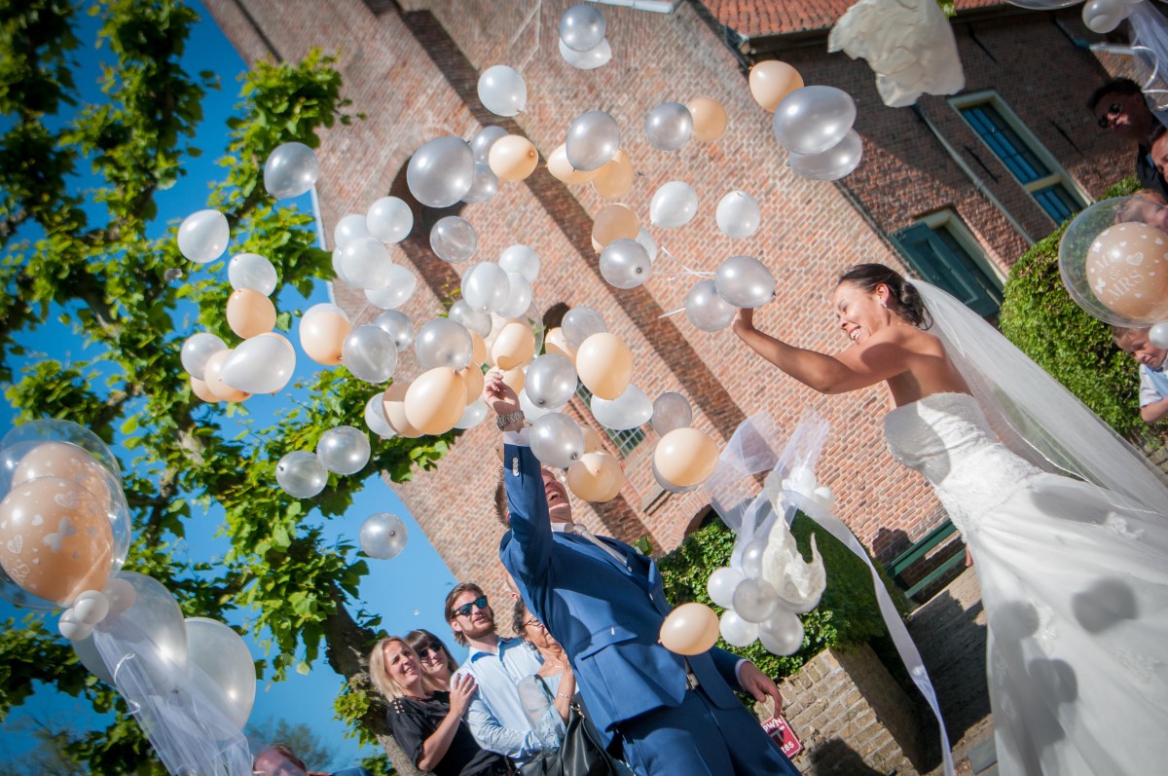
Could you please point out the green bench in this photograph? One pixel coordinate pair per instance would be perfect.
(914, 554)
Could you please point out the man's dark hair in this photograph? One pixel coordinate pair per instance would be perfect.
(1112, 86)
(501, 510)
(451, 597)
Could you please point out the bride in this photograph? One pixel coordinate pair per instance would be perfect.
(1073, 569)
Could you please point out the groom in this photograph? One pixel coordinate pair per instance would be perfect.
(604, 602)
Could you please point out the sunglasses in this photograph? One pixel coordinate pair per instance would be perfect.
(465, 609)
(433, 649)
(1114, 110)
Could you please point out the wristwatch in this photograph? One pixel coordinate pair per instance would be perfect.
(508, 419)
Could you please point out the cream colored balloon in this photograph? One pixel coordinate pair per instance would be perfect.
(555, 342)
(436, 400)
(203, 391)
(596, 477)
(709, 119)
(213, 377)
(614, 222)
(513, 158)
(393, 403)
(473, 377)
(561, 169)
(55, 539)
(686, 456)
(1127, 267)
(615, 178)
(690, 629)
(250, 313)
(592, 441)
(68, 461)
(515, 379)
(480, 354)
(514, 347)
(771, 81)
(322, 334)
(605, 365)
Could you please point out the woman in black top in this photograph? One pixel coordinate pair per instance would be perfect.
(427, 723)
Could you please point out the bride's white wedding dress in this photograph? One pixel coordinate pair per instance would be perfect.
(1074, 582)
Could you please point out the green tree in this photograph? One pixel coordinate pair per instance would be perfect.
(98, 262)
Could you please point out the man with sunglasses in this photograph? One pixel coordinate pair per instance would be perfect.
(1120, 108)
(603, 601)
(495, 715)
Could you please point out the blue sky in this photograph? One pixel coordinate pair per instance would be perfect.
(408, 591)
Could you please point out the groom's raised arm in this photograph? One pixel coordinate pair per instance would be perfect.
(531, 527)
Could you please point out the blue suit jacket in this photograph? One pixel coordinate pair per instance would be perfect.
(606, 615)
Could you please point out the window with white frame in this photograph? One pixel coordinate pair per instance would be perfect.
(944, 252)
(1023, 155)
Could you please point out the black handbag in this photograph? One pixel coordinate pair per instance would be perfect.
(582, 752)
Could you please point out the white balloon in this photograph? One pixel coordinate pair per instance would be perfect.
(203, 236)
(1157, 335)
(262, 364)
(832, 164)
(629, 410)
(349, 228)
(781, 633)
(674, 204)
(706, 310)
(484, 139)
(755, 599)
(531, 412)
(521, 259)
(383, 536)
(502, 91)
(722, 584)
(593, 139)
(398, 325)
(197, 349)
(370, 353)
(812, 119)
(518, 298)
(300, 474)
(736, 631)
(441, 172)
(401, 286)
(582, 27)
(744, 281)
(556, 440)
(474, 414)
(443, 342)
(580, 323)
(291, 169)
(389, 219)
(1104, 16)
(366, 263)
(738, 215)
(599, 56)
(343, 450)
(485, 185)
(252, 271)
(90, 657)
(625, 264)
(752, 558)
(485, 287)
(550, 381)
(671, 411)
(375, 418)
(223, 657)
(474, 320)
(454, 239)
(648, 243)
(669, 126)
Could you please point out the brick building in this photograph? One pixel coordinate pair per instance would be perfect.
(955, 189)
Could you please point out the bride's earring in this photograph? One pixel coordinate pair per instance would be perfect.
(884, 303)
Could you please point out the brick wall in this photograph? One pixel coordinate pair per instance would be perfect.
(412, 72)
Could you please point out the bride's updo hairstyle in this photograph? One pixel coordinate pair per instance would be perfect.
(905, 299)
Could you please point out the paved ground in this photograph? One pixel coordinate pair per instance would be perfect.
(950, 633)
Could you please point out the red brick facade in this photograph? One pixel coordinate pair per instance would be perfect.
(412, 68)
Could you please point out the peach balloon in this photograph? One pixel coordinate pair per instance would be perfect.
(394, 405)
(614, 222)
(513, 158)
(604, 365)
(561, 169)
(771, 81)
(515, 379)
(322, 334)
(709, 119)
(596, 477)
(592, 441)
(615, 178)
(514, 347)
(250, 313)
(473, 377)
(1127, 267)
(690, 629)
(436, 400)
(203, 391)
(685, 457)
(555, 342)
(55, 539)
(213, 377)
(480, 353)
(67, 461)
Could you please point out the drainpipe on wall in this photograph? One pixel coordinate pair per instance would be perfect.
(978, 183)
